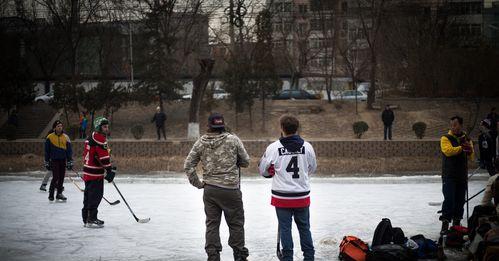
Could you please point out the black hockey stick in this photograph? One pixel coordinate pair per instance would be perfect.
(472, 197)
(116, 202)
(469, 177)
(278, 250)
(145, 220)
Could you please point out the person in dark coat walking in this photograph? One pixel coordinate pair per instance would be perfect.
(159, 118)
(387, 117)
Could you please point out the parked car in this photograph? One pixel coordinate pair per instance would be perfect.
(294, 94)
(363, 86)
(350, 95)
(46, 98)
(218, 94)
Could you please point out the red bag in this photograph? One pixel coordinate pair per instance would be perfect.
(353, 249)
(455, 236)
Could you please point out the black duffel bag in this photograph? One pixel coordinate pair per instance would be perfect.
(391, 252)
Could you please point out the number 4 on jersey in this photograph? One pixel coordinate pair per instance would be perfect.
(293, 167)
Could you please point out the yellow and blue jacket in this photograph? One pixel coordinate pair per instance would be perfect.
(58, 147)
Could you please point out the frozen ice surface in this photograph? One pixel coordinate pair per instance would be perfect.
(31, 228)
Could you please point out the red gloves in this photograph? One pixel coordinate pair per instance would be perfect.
(271, 170)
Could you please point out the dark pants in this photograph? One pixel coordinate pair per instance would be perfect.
(388, 132)
(159, 130)
(230, 202)
(83, 133)
(490, 167)
(454, 198)
(493, 134)
(94, 190)
(58, 174)
(302, 220)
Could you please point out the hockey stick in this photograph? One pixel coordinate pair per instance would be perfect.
(145, 220)
(472, 197)
(469, 177)
(278, 250)
(116, 202)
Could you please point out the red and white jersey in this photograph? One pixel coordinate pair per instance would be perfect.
(291, 172)
(96, 157)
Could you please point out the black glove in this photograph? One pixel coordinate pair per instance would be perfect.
(69, 165)
(110, 175)
(47, 165)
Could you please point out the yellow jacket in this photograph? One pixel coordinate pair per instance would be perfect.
(449, 150)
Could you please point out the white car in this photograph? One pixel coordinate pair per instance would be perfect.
(363, 86)
(46, 98)
(350, 95)
(217, 95)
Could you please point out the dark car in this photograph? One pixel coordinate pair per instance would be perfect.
(294, 94)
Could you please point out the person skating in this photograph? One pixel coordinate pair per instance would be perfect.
(159, 119)
(457, 149)
(387, 117)
(58, 157)
(485, 144)
(97, 163)
(221, 154)
(290, 161)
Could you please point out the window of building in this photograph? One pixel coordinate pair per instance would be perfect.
(287, 7)
(303, 9)
(315, 24)
(302, 28)
(344, 6)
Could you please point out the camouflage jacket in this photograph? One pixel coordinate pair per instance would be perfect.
(220, 154)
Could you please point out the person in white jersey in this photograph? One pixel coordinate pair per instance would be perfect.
(290, 161)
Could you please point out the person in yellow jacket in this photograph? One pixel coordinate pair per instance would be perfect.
(457, 149)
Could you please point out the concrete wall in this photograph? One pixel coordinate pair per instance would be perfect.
(328, 149)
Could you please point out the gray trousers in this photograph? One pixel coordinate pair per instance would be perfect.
(230, 202)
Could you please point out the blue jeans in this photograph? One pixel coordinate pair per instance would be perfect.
(454, 198)
(302, 220)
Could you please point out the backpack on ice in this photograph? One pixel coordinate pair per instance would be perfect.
(427, 248)
(398, 236)
(390, 252)
(353, 249)
(383, 233)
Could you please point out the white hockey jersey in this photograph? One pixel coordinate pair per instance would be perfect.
(291, 172)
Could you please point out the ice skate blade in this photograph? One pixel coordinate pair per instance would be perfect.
(93, 226)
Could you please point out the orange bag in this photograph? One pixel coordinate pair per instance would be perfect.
(353, 249)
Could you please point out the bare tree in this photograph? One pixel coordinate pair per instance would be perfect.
(370, 14)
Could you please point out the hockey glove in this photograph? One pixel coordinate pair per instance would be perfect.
(69, 165)
(110, 175)
(47, 165)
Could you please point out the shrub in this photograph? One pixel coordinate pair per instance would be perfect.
(419, 128)
(72, 131)
(359, 128)
(10, 132)
(137, 131)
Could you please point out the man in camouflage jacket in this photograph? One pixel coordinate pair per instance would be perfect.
(221, 154)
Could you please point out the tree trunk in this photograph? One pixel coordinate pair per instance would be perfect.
(250, 117)
(198, 88)
(263, 109)
(372, 89)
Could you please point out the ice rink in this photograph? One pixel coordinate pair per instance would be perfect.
(31, 228)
